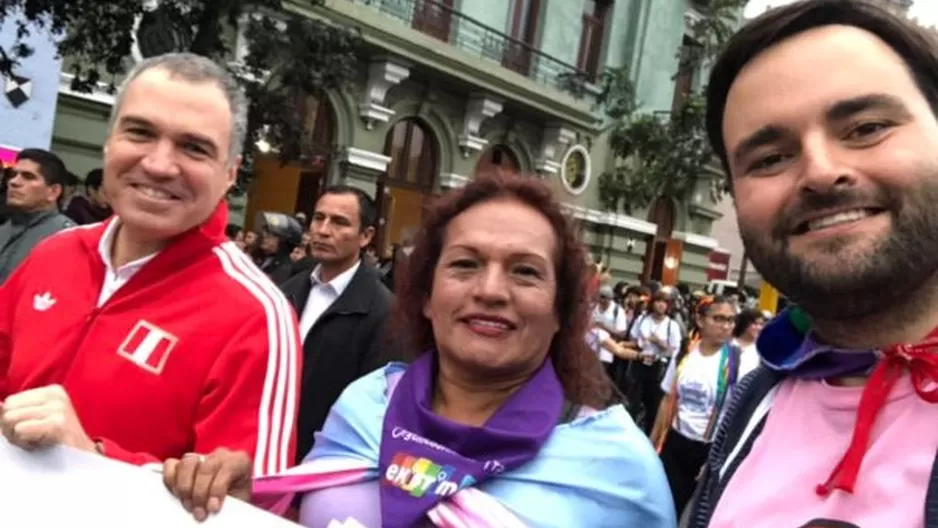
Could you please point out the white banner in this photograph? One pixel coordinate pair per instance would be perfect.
(62, 487)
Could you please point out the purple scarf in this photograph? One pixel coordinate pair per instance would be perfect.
(788, 345)
(425, 458)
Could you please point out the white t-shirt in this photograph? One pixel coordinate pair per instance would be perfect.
(613, 317)
(748, 360)
(697, 392)
(595, 339)
(667, 330)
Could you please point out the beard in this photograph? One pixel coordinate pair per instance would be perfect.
(852, 278)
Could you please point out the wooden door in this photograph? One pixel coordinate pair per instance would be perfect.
(434, 18)
(308, 191)
(671, 262)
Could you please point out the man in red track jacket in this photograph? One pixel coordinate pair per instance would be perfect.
(150, 336)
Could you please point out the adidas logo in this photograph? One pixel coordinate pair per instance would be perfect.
(42, 302)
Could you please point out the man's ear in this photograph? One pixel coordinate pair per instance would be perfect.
(366, 236)
(55, 192)
(232, 172)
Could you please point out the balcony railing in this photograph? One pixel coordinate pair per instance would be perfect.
(440, 21)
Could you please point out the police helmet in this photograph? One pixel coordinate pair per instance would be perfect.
(282, 226)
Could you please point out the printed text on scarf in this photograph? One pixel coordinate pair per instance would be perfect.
(417, 476)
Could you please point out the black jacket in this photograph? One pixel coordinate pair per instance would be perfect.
(279, 268)
(83, 211)
(348, 341)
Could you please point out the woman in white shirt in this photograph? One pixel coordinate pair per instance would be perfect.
(658, 337)
(749, 324)
(698, 382)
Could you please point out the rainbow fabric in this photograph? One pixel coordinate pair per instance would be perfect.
(598, 470)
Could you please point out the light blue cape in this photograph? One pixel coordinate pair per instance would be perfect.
(598, 470)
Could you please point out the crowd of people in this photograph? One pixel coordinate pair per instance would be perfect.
(486, 374)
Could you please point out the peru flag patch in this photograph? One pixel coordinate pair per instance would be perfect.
(148, 346)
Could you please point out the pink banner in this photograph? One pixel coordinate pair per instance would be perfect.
(7, 156)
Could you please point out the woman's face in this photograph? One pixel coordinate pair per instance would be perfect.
(659, 306)
(270, 243)
(753, 331)
(716, 325)
(492, 305)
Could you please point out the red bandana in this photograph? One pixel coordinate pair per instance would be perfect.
(922, 362)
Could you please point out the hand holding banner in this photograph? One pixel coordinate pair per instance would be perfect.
(64, 487)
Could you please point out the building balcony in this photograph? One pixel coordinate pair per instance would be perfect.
(436, 19)
(434, 35)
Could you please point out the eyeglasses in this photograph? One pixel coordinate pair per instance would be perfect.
(723, 319)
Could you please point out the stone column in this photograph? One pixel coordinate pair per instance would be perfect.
(362, 168)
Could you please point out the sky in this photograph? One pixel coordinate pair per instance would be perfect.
(926, 11)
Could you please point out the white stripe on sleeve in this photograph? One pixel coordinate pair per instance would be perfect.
(278, 397)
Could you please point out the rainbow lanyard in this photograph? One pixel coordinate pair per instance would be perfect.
(723, 382)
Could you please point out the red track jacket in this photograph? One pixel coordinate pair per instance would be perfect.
(196, 351)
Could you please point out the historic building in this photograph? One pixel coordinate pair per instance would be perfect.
(455, 87)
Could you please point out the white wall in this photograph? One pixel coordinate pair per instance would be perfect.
(726, 232)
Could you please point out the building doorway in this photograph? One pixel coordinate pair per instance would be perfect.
(296, 185)
(408, 183)
(662, 253)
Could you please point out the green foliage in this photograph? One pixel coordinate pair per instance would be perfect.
(717, 23)
(289, 57)
(616, 92)
(656, 156)
(663, 153)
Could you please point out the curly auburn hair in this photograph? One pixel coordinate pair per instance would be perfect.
(578, 368)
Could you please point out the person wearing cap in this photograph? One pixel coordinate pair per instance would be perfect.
(609, 322)
(280, 233)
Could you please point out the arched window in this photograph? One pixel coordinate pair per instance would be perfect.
(498, 157)
(413, 155)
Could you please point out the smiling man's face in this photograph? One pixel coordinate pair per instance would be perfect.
(833, 151)
(166, 161)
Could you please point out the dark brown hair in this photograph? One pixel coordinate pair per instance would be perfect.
(577, 366)
(914, 44)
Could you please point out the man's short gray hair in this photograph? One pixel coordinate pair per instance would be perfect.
(196, 69)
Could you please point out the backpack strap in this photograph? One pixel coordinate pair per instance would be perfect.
(729, 371)
(678, 360)
(636, 321)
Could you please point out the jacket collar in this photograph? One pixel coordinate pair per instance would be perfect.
(356, 299)
(28, 219)
(179, 253)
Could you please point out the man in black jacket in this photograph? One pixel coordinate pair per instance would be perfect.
(93, 207)
(342, 307)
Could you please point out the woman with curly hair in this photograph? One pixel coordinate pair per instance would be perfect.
(499, 419)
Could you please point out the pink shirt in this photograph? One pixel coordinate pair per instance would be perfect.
(806, 434)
